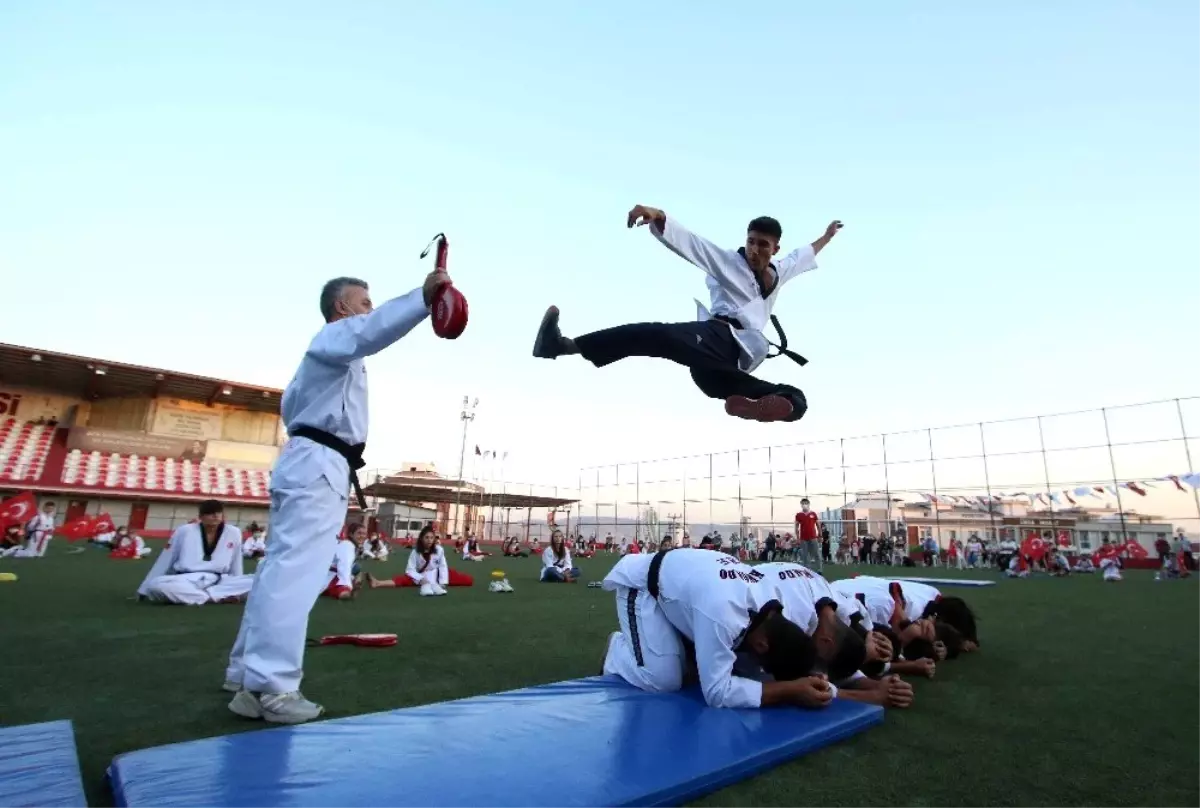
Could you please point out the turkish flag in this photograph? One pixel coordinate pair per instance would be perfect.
(1064, 538)
(1137, 489)
(1106, 551)
(1134, 550)
(1033, 547)
(127, 550)
(104, 524)
(78, 529)
(17, 510)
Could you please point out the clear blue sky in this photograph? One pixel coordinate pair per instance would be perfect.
(1018, 182)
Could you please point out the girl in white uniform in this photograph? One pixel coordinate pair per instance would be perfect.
(1111, 568)
(557, 566)
(427, 568)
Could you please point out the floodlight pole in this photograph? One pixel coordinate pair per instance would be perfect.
(467, 416)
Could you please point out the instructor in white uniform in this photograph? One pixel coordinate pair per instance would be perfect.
(325, 412)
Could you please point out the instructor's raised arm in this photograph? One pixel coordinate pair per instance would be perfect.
(354, 331)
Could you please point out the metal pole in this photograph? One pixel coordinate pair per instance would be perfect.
(1188, 454)
(616, 503)
(710, 497)
(467, 415)
(887, 484)
(937, 512)
(596, 505)
(1049, 494)
(987, 481)
(845, 496)
(637, 491)
(1113, 465)
(771, 486)
(741, 514)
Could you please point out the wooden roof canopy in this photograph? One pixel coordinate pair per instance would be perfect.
(93, 379)
(451, 491)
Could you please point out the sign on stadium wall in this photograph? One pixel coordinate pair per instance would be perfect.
(109, 441)
(30, 405)
(178, 420)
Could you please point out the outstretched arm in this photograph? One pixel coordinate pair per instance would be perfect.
(830, 232)
(364, 335)
(725, 266)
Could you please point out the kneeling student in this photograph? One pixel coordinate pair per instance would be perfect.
(721, 607)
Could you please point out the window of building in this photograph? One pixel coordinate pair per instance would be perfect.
(1085, 540)
(862, 527)
(953, 535)
(1103, 536)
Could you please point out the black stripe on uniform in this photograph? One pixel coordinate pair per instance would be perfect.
(631, 613)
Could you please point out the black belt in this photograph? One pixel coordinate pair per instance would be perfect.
(352, 453)
(782, 346)
(655, 571)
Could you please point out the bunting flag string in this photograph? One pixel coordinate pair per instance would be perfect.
(1140, 487)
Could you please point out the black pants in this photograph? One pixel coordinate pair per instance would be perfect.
(706, 347)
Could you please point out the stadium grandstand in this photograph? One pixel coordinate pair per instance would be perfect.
(143, 445)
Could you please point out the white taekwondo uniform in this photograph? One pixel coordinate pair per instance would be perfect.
(705, 596)
(341, 569)
(877, 595)
(40, 530)
(310, 485)
(189, 573)
(800, 590)
(432, 571)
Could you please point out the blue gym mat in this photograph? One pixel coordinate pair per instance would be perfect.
(594, 741)
(39, 766)
(948, 581)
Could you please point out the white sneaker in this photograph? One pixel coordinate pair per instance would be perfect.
(507, 586)
(437, 589)
(232, 686)
(427, 590)
(245, 705)
(288, 708)
(495, 586)
(278, 708)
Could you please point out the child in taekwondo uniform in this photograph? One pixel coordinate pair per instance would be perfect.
(843, 652)
(426, 569)
(681, 602)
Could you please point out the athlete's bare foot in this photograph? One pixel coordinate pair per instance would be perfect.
(373, 582)
(765, 409)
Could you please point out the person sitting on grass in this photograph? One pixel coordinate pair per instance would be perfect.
(375, 548)
(1111, 567)
(340, 583)
(125, 545)
(1084, 564)
(556, 562)
(1057, 564)
(471, 550)
(255, 543)
(202, 563)
(512, 547)
(427, 569)
(1018, 567)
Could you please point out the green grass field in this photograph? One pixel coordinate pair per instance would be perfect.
(1084, 693)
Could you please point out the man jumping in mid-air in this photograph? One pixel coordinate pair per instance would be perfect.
(724, 345)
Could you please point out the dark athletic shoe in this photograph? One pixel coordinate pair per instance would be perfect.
(548, 344)
(766, 409)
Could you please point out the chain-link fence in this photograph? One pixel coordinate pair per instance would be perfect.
(1083, 477)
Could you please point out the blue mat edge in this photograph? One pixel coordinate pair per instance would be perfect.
(80, 792)
(730, 775)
